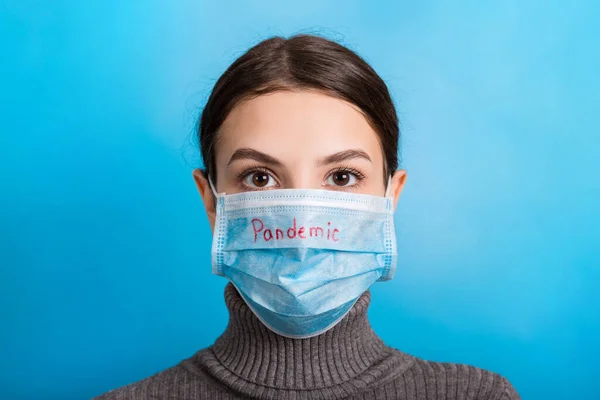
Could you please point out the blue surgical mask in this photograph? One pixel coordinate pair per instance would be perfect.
(301, 258)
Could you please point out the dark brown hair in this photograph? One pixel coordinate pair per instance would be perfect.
(302, 62)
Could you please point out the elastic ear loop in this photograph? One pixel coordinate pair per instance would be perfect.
(389, 186)
(212, 187)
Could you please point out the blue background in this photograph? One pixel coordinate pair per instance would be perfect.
(104, 246)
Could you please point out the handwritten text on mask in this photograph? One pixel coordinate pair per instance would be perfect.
(293, 232)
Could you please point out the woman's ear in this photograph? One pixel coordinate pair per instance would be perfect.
(208, 198)
(397, 184)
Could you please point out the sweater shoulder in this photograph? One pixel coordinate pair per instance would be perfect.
(460, 381)
(184, 380)
(152, 387)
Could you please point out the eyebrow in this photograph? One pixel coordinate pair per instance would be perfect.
(251, 154)
(343, 156)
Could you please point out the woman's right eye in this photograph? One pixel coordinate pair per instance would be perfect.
(259, 180)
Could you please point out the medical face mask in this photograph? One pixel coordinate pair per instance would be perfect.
(301, 258)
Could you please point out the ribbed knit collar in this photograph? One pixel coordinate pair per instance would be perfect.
(251, 353)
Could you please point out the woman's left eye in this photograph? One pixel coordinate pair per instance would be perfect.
(341, 178)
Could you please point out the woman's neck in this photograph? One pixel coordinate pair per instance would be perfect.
(255, 354)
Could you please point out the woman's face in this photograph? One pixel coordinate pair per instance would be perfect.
(293, 140)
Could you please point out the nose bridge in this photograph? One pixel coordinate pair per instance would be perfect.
(302, 175)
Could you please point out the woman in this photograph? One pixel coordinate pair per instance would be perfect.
(300, 140)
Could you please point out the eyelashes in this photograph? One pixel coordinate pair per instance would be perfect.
(244, 173)
(348, 170)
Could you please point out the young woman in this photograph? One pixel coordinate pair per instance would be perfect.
(300, 142)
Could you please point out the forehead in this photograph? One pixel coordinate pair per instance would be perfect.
(297, 124)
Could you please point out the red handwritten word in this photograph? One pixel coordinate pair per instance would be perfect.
(292, 232)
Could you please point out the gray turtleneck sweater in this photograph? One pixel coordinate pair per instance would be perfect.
(347, 362)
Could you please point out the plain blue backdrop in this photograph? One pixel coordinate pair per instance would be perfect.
(105, 249)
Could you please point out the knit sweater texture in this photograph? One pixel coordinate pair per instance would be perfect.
(249, 361)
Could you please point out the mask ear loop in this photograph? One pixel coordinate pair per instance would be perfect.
(389, 185)
(212, 187)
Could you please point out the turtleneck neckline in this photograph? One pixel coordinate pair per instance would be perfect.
(349, 353)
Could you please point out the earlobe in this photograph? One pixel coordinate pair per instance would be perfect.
(206, 194)
(398, 181)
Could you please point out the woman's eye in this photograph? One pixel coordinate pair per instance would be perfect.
(341, 178)
(259, 180)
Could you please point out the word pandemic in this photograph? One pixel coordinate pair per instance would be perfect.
(292, 232)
